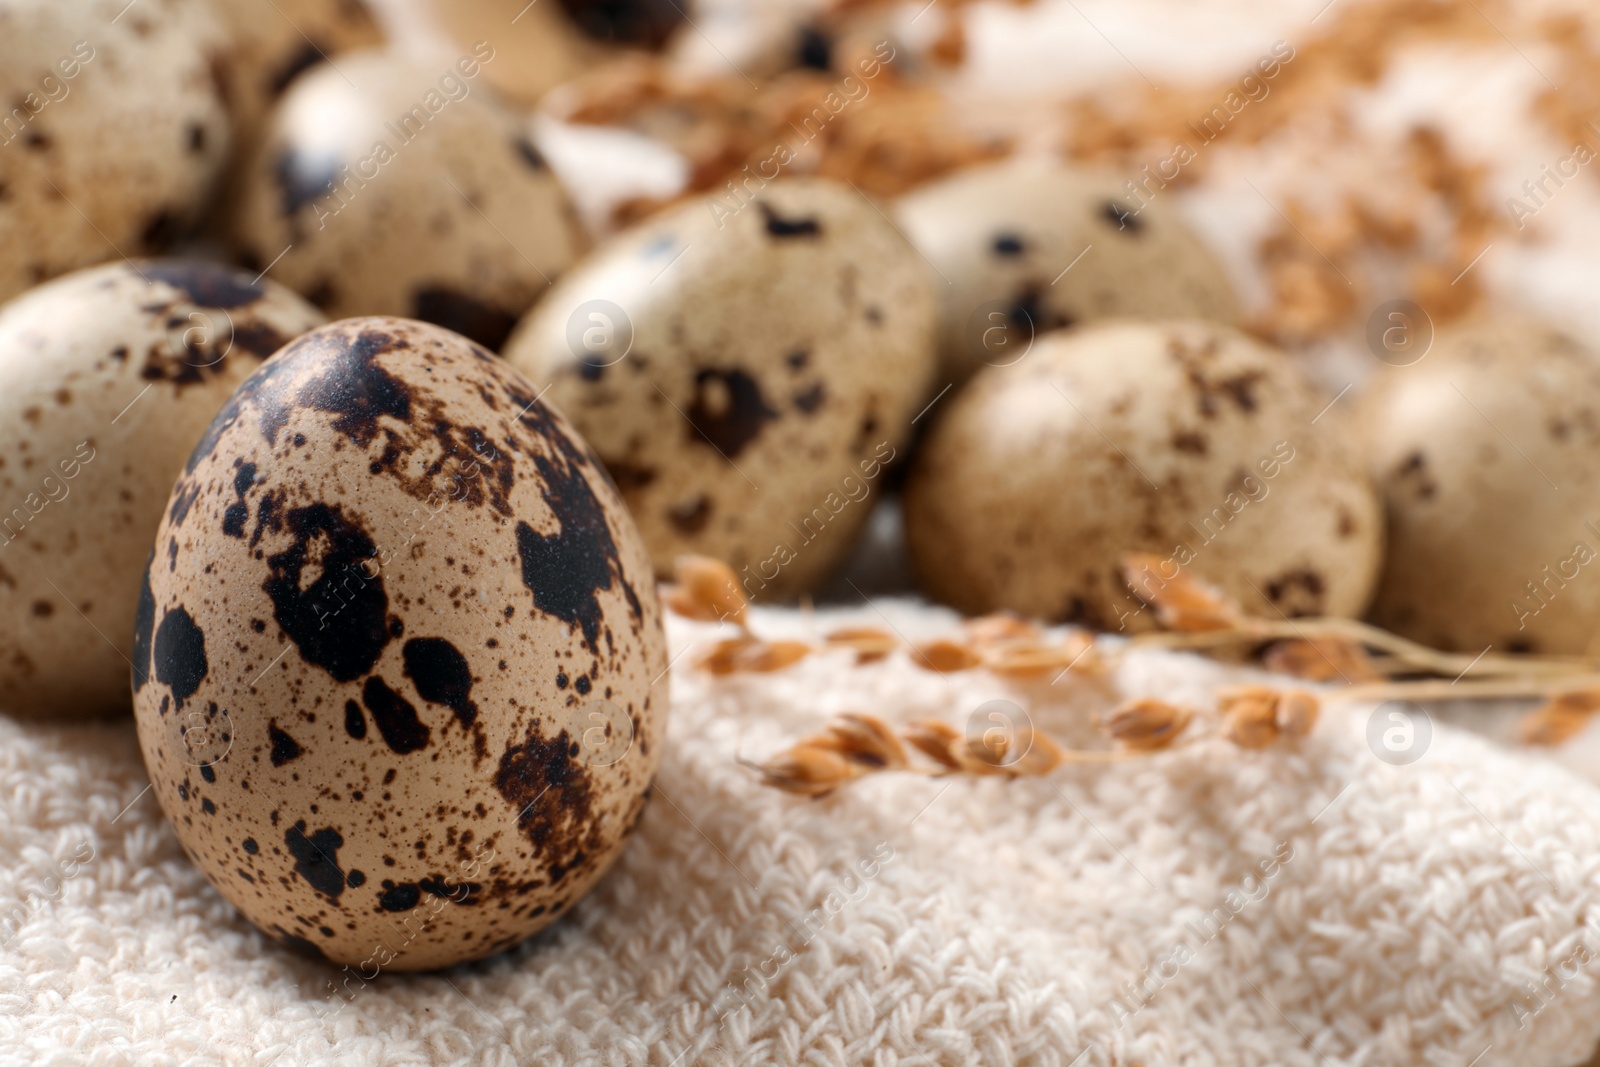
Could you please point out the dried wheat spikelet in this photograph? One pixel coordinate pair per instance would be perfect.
(1146, 725)
(706, 590)
(808, 770)
(1560, 718)
(1000, 627)
(870, 645)
(749, 654)
(936, 740)
(864, 740)
(1182, 602)
(1255, 716)
(1250, 720)
(853, 745)
(944, 656)
(1324, 658)
(1027, 658)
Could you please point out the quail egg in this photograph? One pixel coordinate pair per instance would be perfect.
(544, 45)
(1029, 246)
(107, 377)
(275, 40)
(1187, 440)
(746, 370)
(389, 187)
(114, 131)
(1484, 452)
(398, 664)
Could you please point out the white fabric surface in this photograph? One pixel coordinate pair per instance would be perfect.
(999, 921)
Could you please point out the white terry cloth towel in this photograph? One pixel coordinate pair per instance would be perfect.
(1309, 905)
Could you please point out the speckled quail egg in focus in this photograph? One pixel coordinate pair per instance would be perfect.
(1187, 439)
(1486, 452)
(746, 371)
(1031, 246)
(389, 186)
(107, 378)
(114, 130)
(394, 663)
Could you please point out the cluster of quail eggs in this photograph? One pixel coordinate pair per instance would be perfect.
(368, 519)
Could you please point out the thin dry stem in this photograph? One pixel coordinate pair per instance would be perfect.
(1324, 658)
(1470, 689)
(1409, 653)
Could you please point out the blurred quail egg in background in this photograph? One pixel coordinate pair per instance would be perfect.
(275, 40)
(107, 378)
(388, 185)
(114, 132)
(1188, 440)
(746, 371)
(1030, 246)
(1486, 451)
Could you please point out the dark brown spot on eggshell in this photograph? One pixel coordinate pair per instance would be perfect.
(567, 569)
(395, 716)
(316, 857)
(441, 675)
(551, 792)
(1008, 245)
(339, 621)
(180, 655)
(402, 897)
(284, 748)
(205, 284)
(238, 512)
(781, 228)
(690, 516)
(355, 723)
(257, 338)
(628, 476)
(454, 310)
(728, 411)
(808, 401)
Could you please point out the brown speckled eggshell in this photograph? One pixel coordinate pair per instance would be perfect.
(1004, 236)
(1126, 436)
(394, 187)
(107, 378)
(778, 356)
(118, 158)
(396, 636)
(1486, 452)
